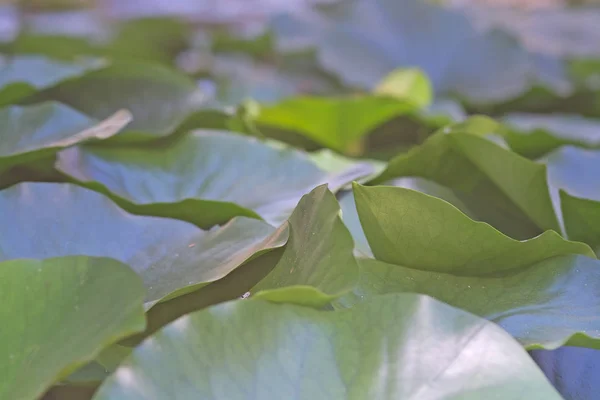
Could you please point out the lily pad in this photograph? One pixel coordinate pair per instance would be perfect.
(58, 314)
(172, 257)
(205, 177)
(336, 123)
(412, 229)
(243, 349)
(501, 187)
(159, 98)
(35, 131)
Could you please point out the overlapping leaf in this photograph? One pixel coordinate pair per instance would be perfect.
(367, 39)
(173, 257)
(244, 350)
(317, 261)
(501, 187)
(436, 236)
(24, 75)
(534, 135)
(159, 99)
(432, 248)
(333, 122)
(35, 131)
(206, 177)
(58, 314)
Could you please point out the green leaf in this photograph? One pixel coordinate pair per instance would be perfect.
(24, 75)
(548, 304)
(503, 188)
(403, 346)
(336, 123)
(205, 177)
(350, 214)
(35, 131)
(412, 229)
(572, 173)
(409, 84)
(534, 135)
(58, 314)
(317, 257)
(159, 98)
(172, 257)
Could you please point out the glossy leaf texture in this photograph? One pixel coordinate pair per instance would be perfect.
(501, 187)
(204, 177)
(32, 132)
(58, 314)
(244, 350)
(160, 99)
(172, 257)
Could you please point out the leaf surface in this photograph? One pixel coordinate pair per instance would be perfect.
(412, 229)
(58, 314)
(402, 346)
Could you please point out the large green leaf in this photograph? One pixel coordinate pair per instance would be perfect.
(159, 98)
(205, 177)
(57, 314)
(573, 177)
(173, 257)
(503, 188)
(547, 304)
(369, 38)
(333, 122)
(403, 346)
(413, 229)
(317, 260)
(36, 131)
(352, 221)
(24, 75)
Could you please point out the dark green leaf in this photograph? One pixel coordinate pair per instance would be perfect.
(501, 187)
(412, 229)
(403, 346)
(318, 260)
(58, 314)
